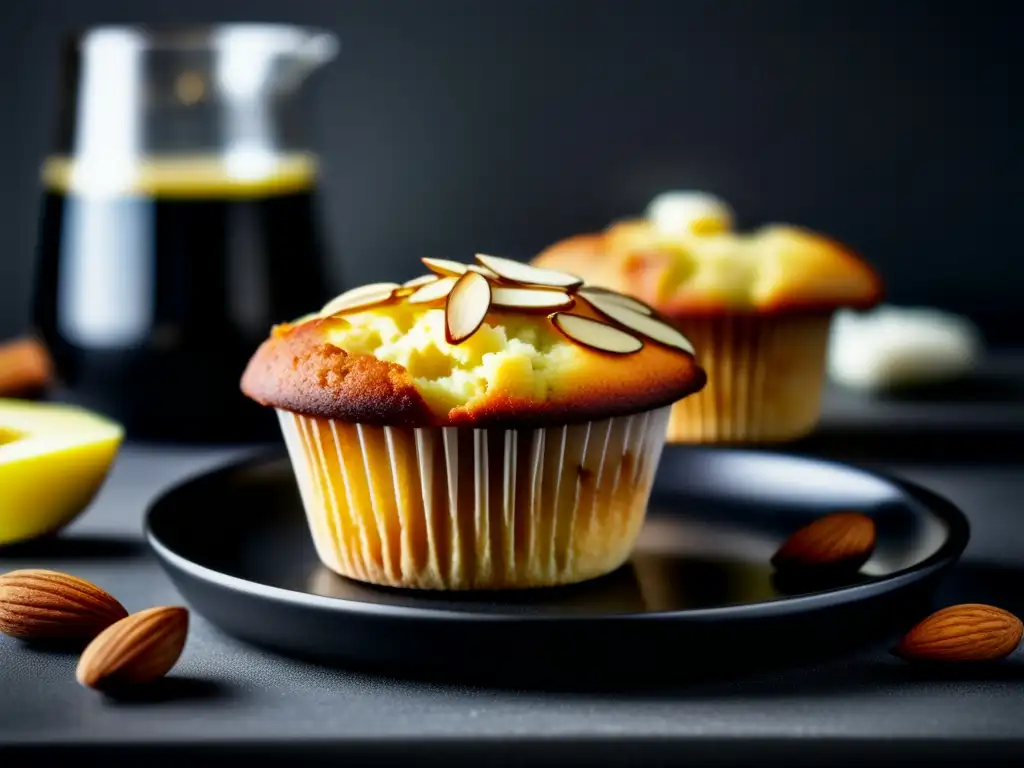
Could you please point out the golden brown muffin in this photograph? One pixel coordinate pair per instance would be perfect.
(485, 427)
(757, 305)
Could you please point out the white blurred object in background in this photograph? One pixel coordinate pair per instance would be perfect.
(682, 212)
(900, 347)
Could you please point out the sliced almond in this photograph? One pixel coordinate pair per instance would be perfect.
(449, 268)
(650, 327)
(360, 298)
(481, 269)
(433, 291)
(595, 334)
(627, 301)
(526, 274)
(531, 298)
(416, 282)
(359, 291)
(445, 267)
(467, 306)
(409, 287)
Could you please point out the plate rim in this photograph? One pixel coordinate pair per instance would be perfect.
(956, 541)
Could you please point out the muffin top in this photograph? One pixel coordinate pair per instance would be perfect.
(494, 343)
(685, 257)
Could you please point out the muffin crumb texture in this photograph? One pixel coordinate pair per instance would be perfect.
(514, 355)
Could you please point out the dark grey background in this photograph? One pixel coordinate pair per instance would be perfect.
(450, 126)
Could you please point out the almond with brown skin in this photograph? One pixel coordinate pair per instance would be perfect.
(640, 322)
(966, 632)
(841, 540)
(38, 604)
(466, 307)
(527, 274)
(137, 650)
(595, 334)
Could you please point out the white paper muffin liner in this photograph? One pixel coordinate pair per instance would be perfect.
(765, 379)
(463, 508)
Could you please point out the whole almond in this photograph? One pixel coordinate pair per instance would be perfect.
(38, 604)
(838, 540)
(136, 650)
(967, 632)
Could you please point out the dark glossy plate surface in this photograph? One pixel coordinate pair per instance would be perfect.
(699, 591)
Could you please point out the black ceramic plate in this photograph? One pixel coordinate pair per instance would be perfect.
(698, 591)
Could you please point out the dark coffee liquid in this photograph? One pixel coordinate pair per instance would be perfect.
(152, 299)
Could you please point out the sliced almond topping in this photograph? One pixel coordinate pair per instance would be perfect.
(449, 268)
(409, 287)
(644, 324)
(445, 267)
(360, 298)
(627, 301)
(531, 298)
(416, 282)
(526, 274)
(467, 306)
(433, 291)
(482, 270)
(595, 334)
(370, 289)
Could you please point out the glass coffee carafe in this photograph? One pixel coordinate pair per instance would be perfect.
(179, 221)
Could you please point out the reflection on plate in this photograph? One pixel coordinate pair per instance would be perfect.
(699, 584)
(649, 583)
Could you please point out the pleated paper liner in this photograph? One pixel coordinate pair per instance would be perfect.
(461, 508)
(765, 379)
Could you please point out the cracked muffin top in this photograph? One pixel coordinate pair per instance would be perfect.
(492, 343)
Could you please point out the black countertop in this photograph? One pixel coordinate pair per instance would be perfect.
(226, 697)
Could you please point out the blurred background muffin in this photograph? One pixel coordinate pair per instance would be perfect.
(757, 306)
